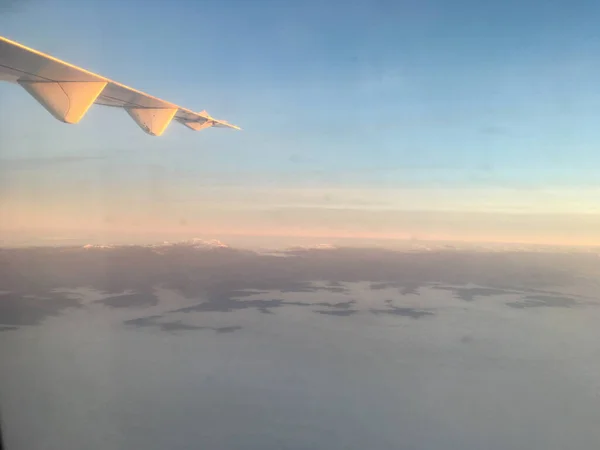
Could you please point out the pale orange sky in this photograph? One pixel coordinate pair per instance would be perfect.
(40, 204)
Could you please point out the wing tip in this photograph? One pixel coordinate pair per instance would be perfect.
(228, 125)
(224, 123)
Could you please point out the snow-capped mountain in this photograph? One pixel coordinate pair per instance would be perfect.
(196, 243)
(312, 247)
(97, 246)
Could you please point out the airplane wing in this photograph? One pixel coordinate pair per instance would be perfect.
(68, 91)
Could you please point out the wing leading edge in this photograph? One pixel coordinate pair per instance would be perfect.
(68, 91)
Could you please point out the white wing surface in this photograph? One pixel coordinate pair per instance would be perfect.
(68, 91)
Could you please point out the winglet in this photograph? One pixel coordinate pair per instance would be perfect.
(217, 122)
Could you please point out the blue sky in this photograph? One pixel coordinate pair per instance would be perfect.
(372, 96)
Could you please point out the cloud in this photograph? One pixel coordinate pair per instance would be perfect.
(43, 162)
(324, 282)
(405, 312)
(140, 299)
(227, 297)
(229, 304)
(539, 301)
(144, 321)
(226, 329)
(18, 309)
(232, 274)
(469, 294)
(339, 305)
(408, 288)
(177, 325)
(342, 313)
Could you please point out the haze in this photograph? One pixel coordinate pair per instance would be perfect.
(197, 344)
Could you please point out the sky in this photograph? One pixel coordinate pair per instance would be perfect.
(464, 120)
